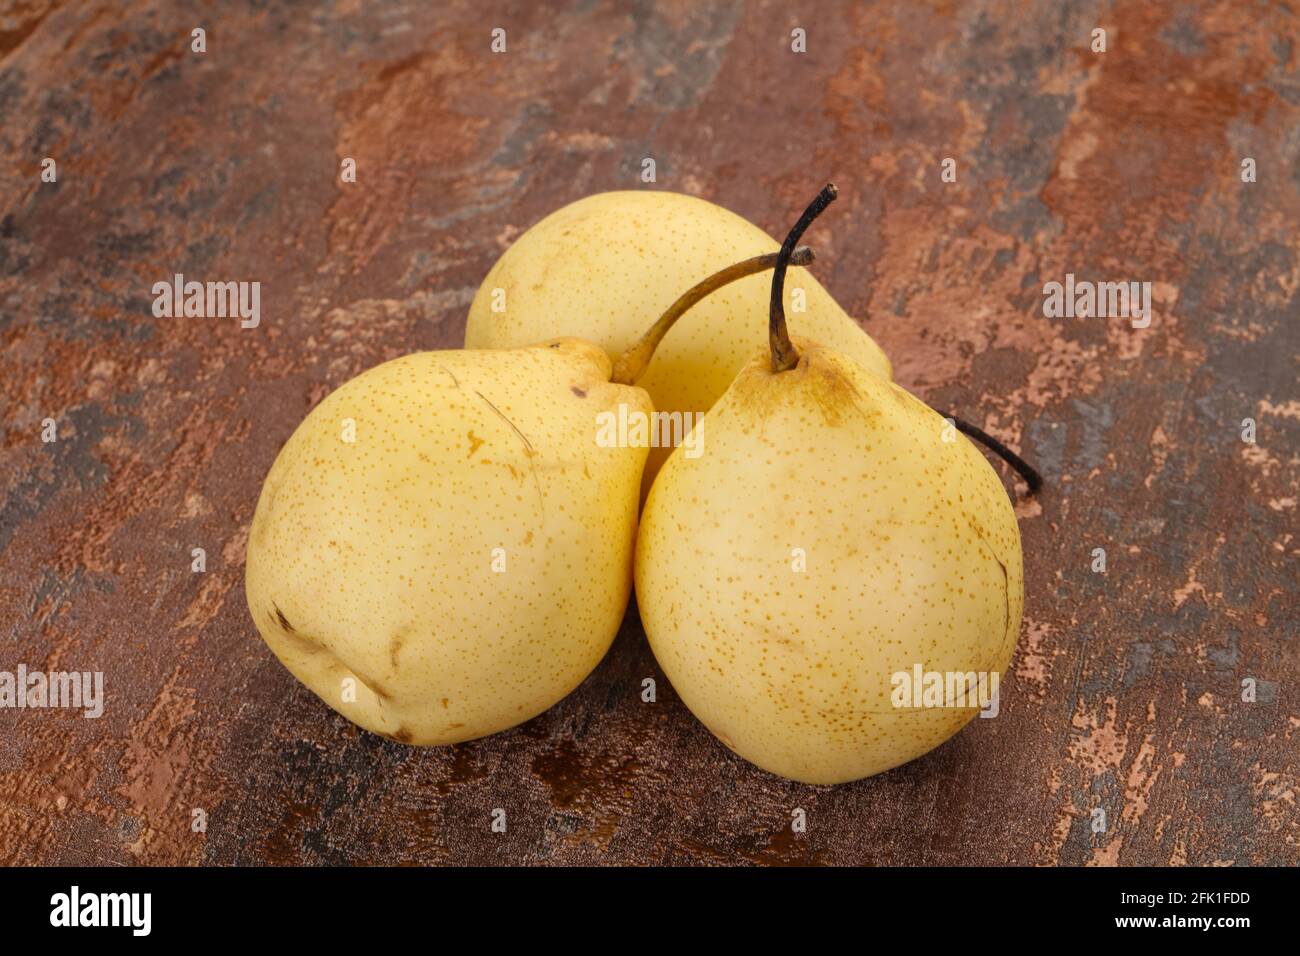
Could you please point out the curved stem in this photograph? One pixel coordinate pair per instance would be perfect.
(784, 356)
(1022, 467)
(632, 363)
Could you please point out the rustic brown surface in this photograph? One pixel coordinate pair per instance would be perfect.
(1125, 692)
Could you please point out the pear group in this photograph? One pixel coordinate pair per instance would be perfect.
(447, 544)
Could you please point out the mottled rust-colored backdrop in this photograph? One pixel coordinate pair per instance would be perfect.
(1125, 692)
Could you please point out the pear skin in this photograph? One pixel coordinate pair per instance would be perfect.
(604, 267)
(834, 532)
(442, 549)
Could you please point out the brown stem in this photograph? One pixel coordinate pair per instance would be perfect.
(784, 357)
(1022, 467)
(632, 364)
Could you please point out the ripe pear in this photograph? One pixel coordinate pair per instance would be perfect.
(603, 267)
(443, 548)
(835, 532)
(444, 532)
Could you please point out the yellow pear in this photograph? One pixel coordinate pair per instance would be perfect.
(443, 548)
(833, 534)
(603, 267)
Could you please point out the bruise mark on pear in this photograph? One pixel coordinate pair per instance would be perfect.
(282, 620)
(815, 381)
(978, 530)
(369, 683)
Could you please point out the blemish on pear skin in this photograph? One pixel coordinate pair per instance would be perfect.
(577, 391)
(281, 619)
(394, 646)
(822, 385)
(453, 377)
(402, 735)
(373, 686)
(528, 446)
(475, 443)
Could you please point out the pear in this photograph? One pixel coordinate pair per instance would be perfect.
(603, 267)
(443, 548)
(835, 533)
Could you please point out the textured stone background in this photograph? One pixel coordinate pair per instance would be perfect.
(1125, 691)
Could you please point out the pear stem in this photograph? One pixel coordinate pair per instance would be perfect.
(784, 356)
(631, 365)
(1022, 467)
